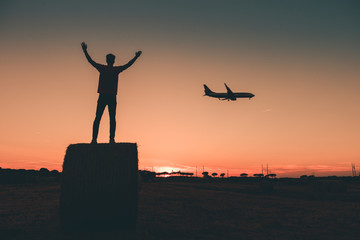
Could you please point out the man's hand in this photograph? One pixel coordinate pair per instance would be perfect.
(138, 53)
(84, 46)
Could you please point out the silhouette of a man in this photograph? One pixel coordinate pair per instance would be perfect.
(107, 89)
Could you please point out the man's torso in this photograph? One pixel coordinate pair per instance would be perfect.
(108, 80)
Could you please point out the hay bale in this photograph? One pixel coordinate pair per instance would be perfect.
(99, 186)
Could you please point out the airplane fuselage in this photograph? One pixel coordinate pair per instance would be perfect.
(233, 98)
(229, 95)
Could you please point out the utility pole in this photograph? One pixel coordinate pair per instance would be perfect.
(262, 169)
(267, 169)
(353, 170)
(227, 173)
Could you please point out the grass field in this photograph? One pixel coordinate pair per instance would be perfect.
(197, 210)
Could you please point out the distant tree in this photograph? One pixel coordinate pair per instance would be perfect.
(44, 172)
(303, 176)
(176, 173)
(161, 173)
(243, 175)
(271, 175)
(258, 175)
(222, 175)
(186, 174)
(205, 174)
(214, 174)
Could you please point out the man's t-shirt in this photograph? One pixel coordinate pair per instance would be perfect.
(108, 80)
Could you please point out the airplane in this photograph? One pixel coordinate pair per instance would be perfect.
(229, 95)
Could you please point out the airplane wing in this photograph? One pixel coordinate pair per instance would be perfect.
(230, 93)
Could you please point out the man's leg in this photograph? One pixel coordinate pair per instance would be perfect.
(99, 112)
(112, 115)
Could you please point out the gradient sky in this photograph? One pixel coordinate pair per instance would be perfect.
(300, 58)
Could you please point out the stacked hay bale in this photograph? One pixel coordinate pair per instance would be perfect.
(99, 186)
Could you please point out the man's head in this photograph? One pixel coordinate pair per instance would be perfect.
(110, 59)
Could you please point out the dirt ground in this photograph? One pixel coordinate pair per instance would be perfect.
(197, 210)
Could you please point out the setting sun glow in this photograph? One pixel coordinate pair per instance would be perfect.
(304, 118)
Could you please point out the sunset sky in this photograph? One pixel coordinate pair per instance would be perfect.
(301, 59)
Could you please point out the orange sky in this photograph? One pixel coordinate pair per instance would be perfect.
(303, 119)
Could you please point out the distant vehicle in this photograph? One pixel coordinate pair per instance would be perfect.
(229, 95)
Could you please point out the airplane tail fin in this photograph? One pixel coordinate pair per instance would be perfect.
(207, 90)
(227, 88)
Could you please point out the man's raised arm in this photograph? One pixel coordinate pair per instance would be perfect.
(92, 62)
(137, 54)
